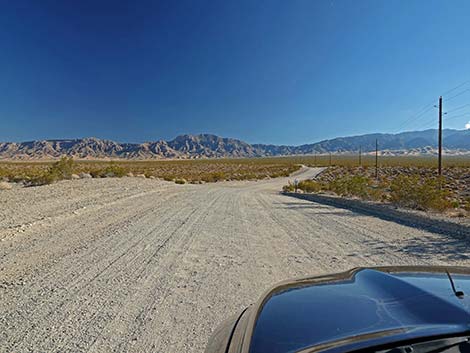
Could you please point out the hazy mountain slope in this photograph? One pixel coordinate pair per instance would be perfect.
(212, 146)
(460, 140)
(425, 140)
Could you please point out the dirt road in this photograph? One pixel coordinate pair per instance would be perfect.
(135, 265)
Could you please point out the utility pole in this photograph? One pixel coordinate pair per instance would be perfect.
(330, 159)
(376, 159)
(440, 136)
(315, 159)
(360, 159)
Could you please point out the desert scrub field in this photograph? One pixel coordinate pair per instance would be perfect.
(410, 187)
(368, 160)
(180, 171)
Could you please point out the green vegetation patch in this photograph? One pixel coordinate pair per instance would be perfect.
(410, 187)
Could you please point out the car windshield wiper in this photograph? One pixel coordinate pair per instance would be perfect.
(435, 346)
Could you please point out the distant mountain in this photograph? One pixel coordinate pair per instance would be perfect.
(211, 146)
(412, 142)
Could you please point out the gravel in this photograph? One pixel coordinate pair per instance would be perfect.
(141, 265)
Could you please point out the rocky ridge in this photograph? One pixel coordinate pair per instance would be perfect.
(212, 146)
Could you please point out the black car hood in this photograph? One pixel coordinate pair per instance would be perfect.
(359, 308)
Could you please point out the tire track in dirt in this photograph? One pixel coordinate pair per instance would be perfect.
(77, 289)
(58, 297)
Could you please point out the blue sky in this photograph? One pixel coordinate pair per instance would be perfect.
(284, 72)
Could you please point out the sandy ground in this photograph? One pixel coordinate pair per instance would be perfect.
(133, 265)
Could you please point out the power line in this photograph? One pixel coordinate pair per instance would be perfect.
(421, 113)
(458, 116)
(416, 116)
(458, 108)
(419, 119)
(428, 123)
(453, 89)
(458, 94)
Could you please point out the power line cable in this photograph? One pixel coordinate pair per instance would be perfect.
(458, 116)
(453, 89)
(458, 108)
(458, 94)
(419, 119)
(418, 116)
(428, 123)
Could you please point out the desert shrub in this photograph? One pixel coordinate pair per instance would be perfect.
(285, 172)
(44, 179)
(419, 193)
(356, 185)
(248, 176)
(359, 186)
(466, 204)
(377, 193)
(218, 176)
(309, 186)
(113, 170)
(206, 179)
(180, 181)
(288, 188)
(214, 177)
(95, 173)
(339, 186)
(62, 169)
(454, 203)
(4, 174)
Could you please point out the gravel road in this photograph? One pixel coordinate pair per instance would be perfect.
(138, 265)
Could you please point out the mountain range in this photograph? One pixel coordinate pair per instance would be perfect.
(212, 146)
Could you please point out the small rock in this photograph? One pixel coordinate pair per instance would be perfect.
(5, 186)
(74, 177)
(141, 176)
(130, 175)
(85, 176)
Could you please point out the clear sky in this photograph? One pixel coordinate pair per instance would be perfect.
(284, 72)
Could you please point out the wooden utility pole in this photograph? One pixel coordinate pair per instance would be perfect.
(330, 159)
(315, 159)
(360, 157)
(440, 136)
(376, 159)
